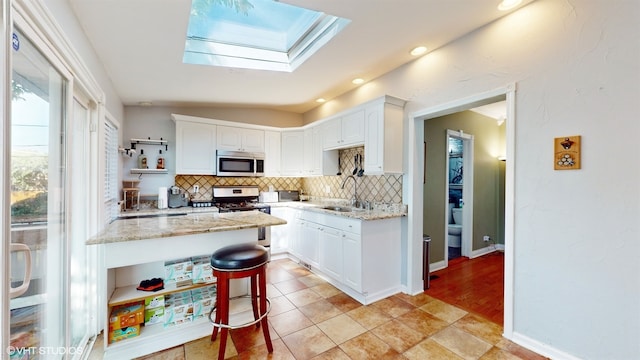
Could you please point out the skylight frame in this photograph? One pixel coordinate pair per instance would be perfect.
(204, 51)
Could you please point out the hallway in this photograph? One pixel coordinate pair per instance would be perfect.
(475, 285)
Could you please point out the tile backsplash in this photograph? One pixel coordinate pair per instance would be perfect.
(375, 188)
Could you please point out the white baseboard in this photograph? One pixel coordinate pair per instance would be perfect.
(439, 265)
(541, 348)
(484, 251)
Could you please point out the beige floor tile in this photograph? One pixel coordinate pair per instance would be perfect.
(326, 290)
(279, 305)
(368, 346)
(518, 350)
(299, 271)
(204, 349)
(307, 343)
(444, 311)
(311, 280)
(273, 292)
(399, 336)
(287, 264)
(277, 274)
(498, 354)
(343, 302)
(334, 354)
(462, 343)
(303, 297)
(320, 311)
(369, 316)
(425, 323)
(289, 286)
(341, 328)
(289, 322)
(429, 349)
(280, 352)
(478, 326)
(176, 353)
(393, 306)
(415, 300)
(248, 337)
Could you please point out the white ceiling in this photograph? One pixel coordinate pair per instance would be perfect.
(141, 44)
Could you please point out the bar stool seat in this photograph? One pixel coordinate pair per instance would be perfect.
(235, 262)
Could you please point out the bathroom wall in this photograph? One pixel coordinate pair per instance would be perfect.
(378, 188)
(487, 148)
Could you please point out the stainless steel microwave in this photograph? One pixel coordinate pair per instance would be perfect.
(239, 163)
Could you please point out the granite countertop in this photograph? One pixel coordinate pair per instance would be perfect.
(386, 212)
(141, 226)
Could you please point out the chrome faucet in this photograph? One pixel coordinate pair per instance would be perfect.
(354, 201)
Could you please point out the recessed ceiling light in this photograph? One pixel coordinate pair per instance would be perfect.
(321, 100)
(145, 103)
(418, 50)
(508, 4)
(357, 81)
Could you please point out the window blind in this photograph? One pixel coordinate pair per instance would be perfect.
(111, 171)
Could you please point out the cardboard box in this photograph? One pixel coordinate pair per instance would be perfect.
(126, 315)
(178, 273)
(178, 311)
(153, 316)
(124, 333)
(154, 302)
(202, 272)
(202, 305)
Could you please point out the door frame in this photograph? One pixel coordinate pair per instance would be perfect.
(413, 189)
(466, 240)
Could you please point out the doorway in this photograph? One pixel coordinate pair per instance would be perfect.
(415, 185)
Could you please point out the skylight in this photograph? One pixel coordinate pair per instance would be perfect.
(256, 34)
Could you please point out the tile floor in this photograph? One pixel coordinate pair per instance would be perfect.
(311, 319)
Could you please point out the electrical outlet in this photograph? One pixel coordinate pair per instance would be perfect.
(196, 189)
(486, 238)
(327, 189)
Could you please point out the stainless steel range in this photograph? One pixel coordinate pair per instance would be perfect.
(243, 198)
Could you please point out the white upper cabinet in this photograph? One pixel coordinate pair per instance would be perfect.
(343, 132)
(195, 148)
(292, 153)
(272, 153)
(240, 139)
(312, 152)
(383, 143)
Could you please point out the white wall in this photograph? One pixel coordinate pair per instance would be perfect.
(576, 64)
(65, 17)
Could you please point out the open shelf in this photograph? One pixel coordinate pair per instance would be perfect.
(129, 294)
(149, 171)
(150, 141)
(157, 337)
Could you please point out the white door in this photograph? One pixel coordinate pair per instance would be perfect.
(38, 201)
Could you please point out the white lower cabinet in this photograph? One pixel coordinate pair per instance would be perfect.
(352, 268)
(331, 243)
(309, 243)
(281, 235)
(361, 258)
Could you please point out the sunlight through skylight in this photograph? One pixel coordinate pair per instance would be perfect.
(256, 34)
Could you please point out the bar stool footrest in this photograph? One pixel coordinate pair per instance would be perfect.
(239, 326)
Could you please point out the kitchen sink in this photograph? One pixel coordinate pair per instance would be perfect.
(338, 208)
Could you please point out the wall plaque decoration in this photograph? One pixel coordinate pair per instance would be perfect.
(567, 153)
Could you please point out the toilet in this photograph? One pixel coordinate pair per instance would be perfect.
(455, 228)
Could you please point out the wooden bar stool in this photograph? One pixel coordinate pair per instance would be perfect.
(235, 262)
